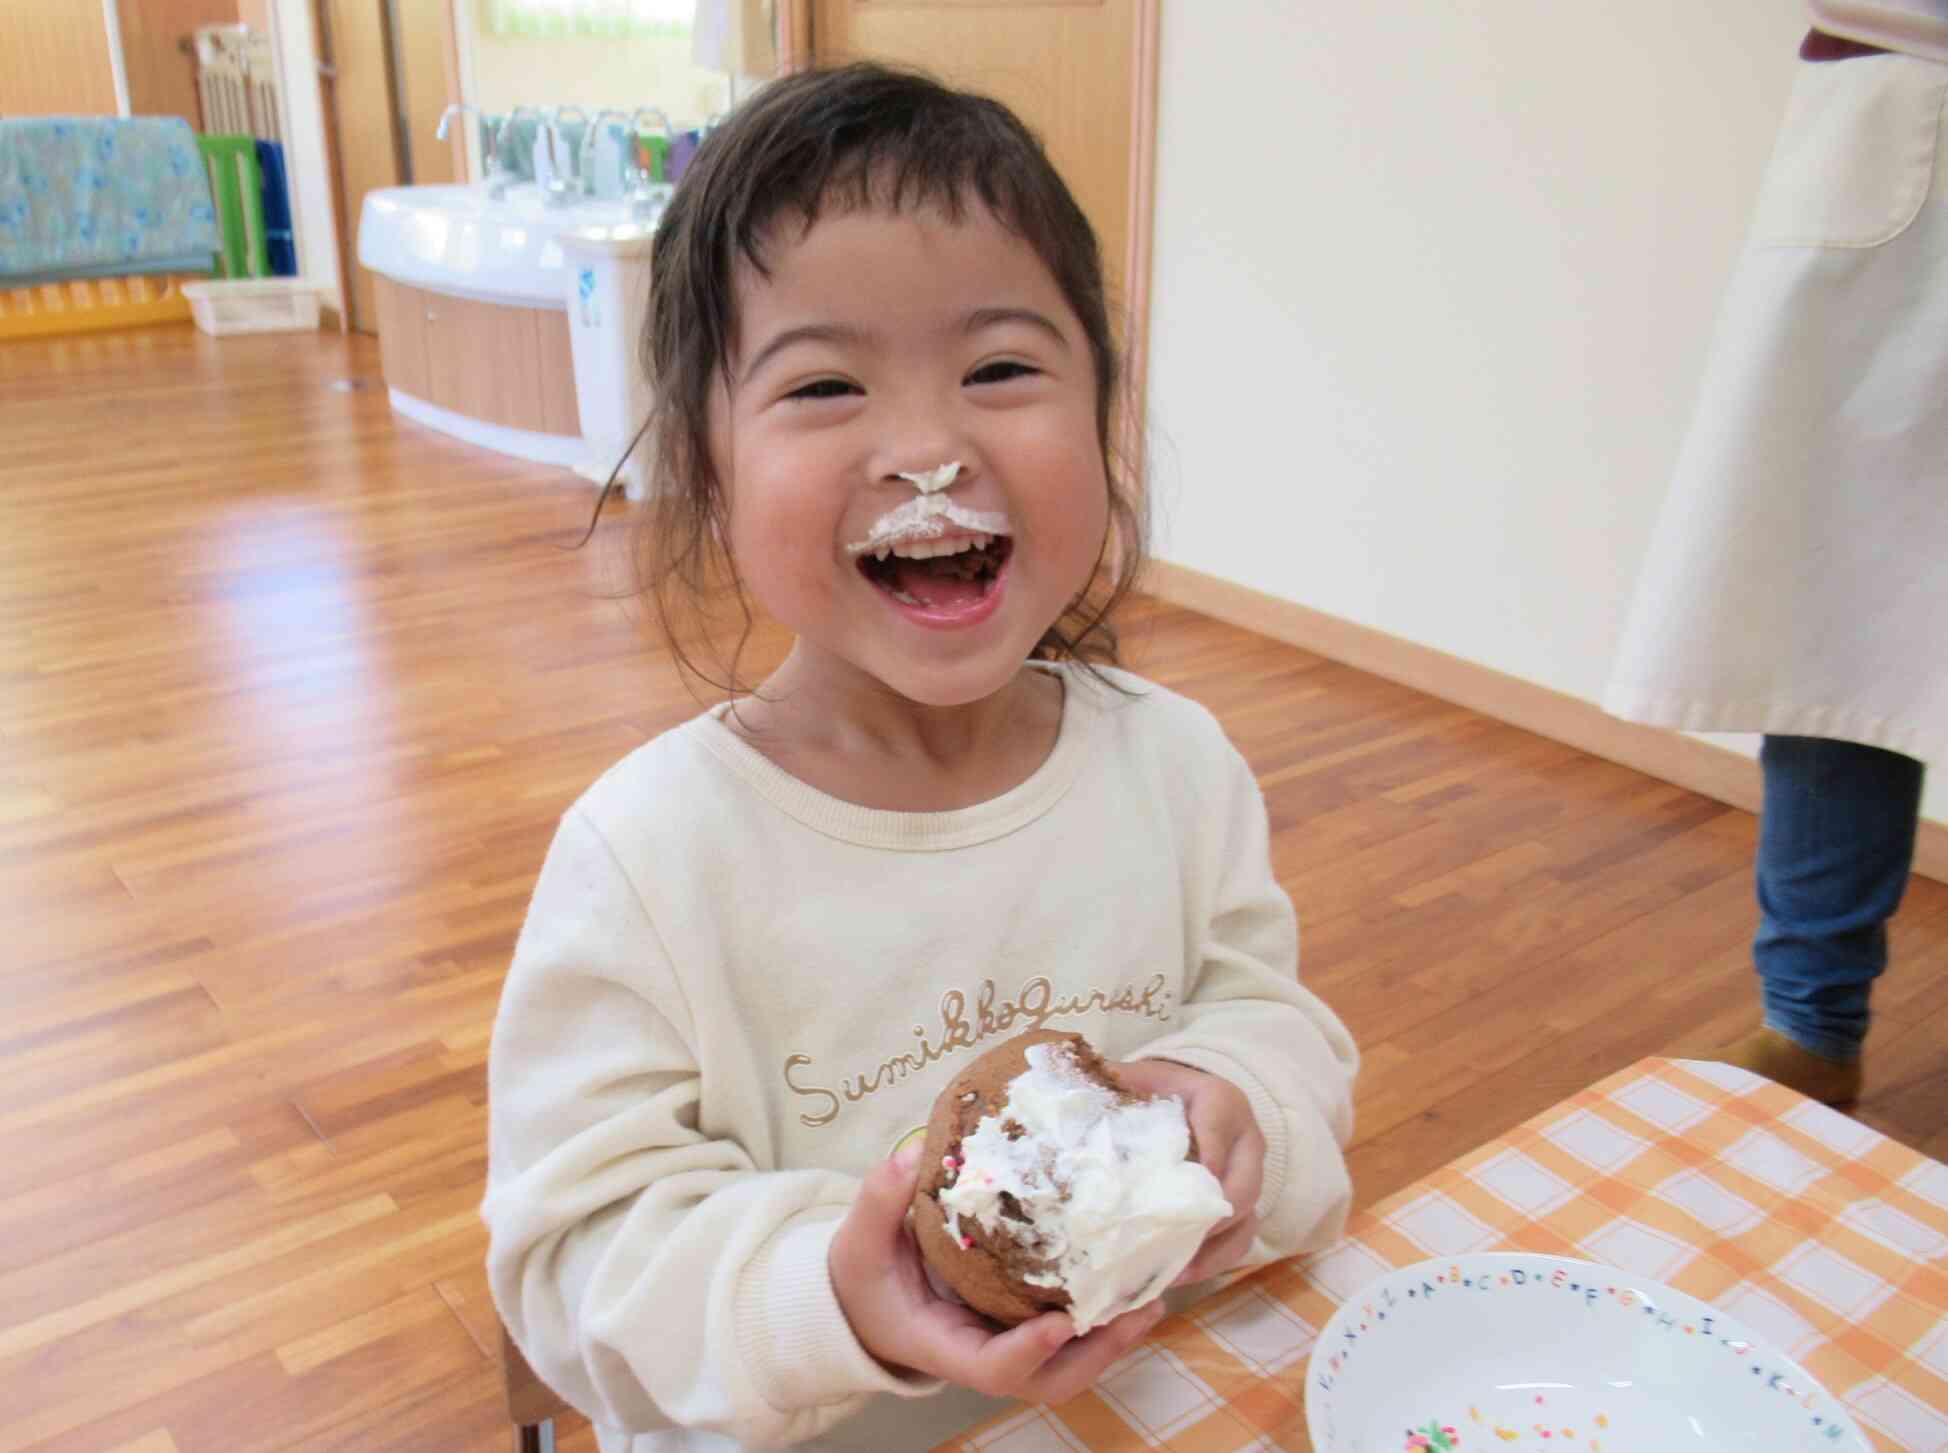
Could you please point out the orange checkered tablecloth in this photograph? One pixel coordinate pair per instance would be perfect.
(1825, 1237)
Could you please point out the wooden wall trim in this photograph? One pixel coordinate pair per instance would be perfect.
(1142, 224)
(341, 226)
(794, 35)
(456, 92)
(1671, 756)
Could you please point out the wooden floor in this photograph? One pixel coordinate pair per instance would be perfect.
(291, 694)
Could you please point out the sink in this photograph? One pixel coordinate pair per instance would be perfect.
(565, 290)
(461, 239)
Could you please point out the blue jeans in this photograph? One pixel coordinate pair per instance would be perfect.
(1836, 838)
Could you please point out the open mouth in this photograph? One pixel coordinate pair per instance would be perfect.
(939, 576)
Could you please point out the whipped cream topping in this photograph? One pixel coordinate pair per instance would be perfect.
(1112, 1204)
(928, 517)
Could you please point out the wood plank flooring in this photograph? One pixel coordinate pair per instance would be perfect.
(291, 695)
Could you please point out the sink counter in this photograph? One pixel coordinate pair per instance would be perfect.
(460, 239)
(511, 321)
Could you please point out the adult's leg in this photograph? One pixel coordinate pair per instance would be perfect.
(1836, 839)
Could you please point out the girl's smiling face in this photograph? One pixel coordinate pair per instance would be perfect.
(888, 343)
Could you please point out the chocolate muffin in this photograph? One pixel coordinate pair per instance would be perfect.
(1046, 1185)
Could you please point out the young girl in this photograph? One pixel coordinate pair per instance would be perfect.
(763, 942)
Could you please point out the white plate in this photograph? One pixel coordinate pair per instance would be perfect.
(1507, 1353)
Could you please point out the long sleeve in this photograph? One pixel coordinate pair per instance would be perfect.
(651, 1273)
(1914, 27)
(1247, 1018)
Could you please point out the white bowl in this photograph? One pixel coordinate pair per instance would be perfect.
(1507, 1353)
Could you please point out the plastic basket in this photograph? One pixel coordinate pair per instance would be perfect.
(253, 305)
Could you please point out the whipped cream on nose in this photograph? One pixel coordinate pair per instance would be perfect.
(929, 515)
(931, 481)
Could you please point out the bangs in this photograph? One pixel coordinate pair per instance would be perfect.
(856, 138)
(900, 172)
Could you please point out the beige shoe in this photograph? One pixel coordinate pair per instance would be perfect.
(1769, 1053)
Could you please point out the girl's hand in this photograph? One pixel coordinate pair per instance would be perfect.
(1229, 1144)
(882, 1286)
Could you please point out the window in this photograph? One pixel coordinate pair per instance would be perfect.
(594, 19)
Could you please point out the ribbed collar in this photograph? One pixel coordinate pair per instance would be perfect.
(920, 832)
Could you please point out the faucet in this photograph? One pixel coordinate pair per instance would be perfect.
(586, 166)
(647, 198)
(497, 177)
(458, 108)
(662, 120)
(504, 172)
(560, 188)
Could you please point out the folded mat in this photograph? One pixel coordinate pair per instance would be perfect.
(102, 196)
(279, 243)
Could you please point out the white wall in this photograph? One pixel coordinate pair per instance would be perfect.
(1431, 289)
(506, 71)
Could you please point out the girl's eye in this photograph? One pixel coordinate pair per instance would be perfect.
(1001, 372)
(825, 388)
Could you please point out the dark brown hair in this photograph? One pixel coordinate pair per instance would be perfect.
(850, 137)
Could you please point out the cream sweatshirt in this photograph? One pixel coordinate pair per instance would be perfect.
(734, 994)
(1913, 27)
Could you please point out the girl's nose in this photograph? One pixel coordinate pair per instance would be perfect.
(921, 435)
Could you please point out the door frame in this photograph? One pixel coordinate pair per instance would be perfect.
(344, 228)
(346, 215)
(796, 50)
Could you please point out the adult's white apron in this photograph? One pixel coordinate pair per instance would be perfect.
(1798, 579)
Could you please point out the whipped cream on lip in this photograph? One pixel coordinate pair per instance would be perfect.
(927, 518)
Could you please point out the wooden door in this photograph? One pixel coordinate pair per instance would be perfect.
(54, 59)
(386, 63)
(1081, 73)
(156, 54)
(429, 74)
(355, 49)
